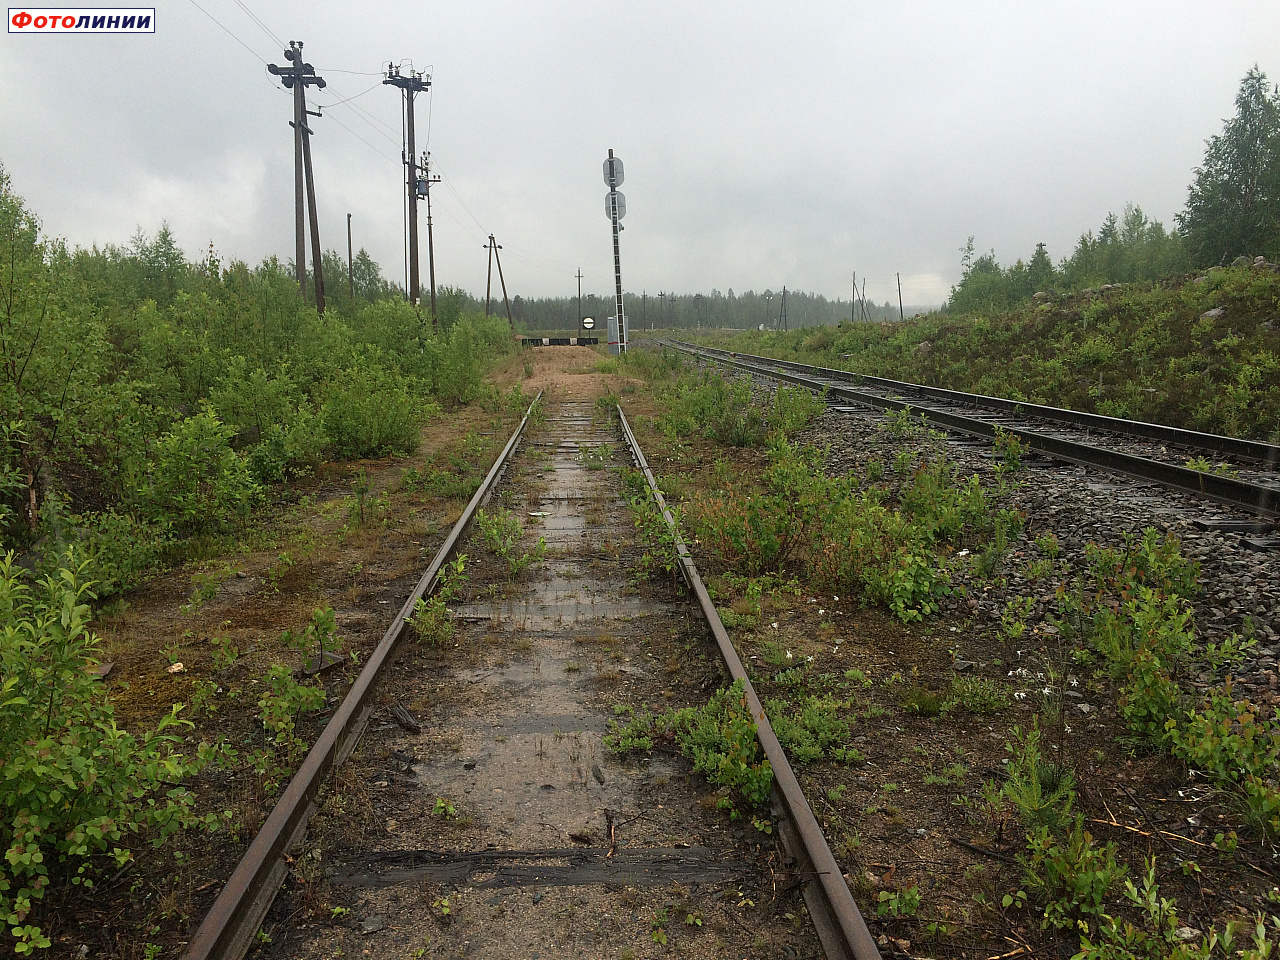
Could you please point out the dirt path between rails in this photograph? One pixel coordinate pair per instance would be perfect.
(503, 829)
(222, 617)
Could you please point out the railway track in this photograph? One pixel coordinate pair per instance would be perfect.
(1145, 451)
(474, 810)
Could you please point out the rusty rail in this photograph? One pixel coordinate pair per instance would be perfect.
(228, 929)
(836, 918)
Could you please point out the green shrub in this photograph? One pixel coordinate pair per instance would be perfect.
(1160, 933)
(719, 738)
(120, 548)
(261, 406)
(431, 622)
(657, 536)
(502, 534)
(1153, 561)
(1228, 741)
(810, 727)
(459, 372)
(1146, 641)
(976, 695)
(290, 449)
(283, 700)
(724, 410)
(944, 505)
(74, 786)
(195, 481)
(1072, 876)
(922, 702)
(370, 411)
(794, 408)
(898, 903)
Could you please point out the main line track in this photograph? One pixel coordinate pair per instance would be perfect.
(1089, 439)
(505, 774)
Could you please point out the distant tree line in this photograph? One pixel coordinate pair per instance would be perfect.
(687, 311)
(1232, 210)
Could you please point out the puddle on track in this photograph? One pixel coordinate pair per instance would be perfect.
(513, 743)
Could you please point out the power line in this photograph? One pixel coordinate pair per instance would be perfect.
(367, 117)
(385, 156)
(228, 32)
(338, 103)
(265, 29)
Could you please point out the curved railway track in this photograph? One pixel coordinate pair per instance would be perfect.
(1146, 451)
(518, 752)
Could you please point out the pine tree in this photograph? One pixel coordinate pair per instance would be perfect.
(1233, 206)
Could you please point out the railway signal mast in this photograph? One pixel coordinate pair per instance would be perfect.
(615, 208)
(297, 77)
(412, 84)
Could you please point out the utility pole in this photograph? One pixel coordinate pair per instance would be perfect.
(644, 309)
(488, 283)
(351, 276)
(297, 77)
(431, 247)
(318, 279)
(616, 209)
(782, 313)
(497, 257)
(579, 301)
(901, 315)
(412, 84)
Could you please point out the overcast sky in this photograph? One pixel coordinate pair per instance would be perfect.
(765, 143)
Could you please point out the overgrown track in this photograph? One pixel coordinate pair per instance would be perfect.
(1090, 439)
(504, 786)
(228, 930)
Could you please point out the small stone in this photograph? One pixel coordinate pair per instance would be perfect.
(963, 666)
(1212, 314)
(371, 924)
(175, 668)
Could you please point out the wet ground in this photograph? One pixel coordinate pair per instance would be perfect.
(502, 828)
